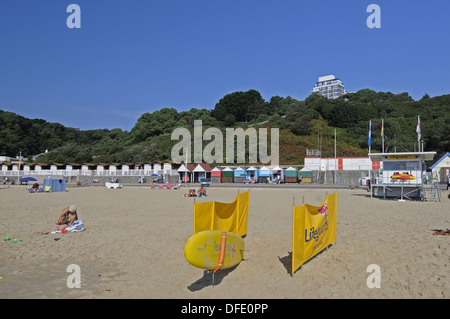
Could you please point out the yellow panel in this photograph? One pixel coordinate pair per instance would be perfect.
(231, 217)
(202, 250)
(314, 228)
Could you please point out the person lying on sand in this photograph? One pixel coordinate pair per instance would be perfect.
(68, 219)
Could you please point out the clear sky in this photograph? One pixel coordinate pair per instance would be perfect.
(136, 56)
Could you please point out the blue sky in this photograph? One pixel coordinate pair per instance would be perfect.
(131, 57)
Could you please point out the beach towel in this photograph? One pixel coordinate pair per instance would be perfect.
(77, 226)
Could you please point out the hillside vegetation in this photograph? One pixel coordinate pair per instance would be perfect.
(300, 123)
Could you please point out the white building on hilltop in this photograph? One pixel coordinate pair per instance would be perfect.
(329, 86)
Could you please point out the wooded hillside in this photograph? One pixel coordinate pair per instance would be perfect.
(299, 123)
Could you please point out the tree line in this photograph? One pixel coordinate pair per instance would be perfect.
(300, 122)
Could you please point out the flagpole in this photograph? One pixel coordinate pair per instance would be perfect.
(20, 163)
(335, 155)
(370, 143)
(185, 174)
(419, 132)
(382, 131)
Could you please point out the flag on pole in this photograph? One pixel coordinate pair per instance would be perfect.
(370, 134)
(419, 131)
(382, 127)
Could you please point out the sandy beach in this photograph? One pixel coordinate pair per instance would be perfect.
(135, 238)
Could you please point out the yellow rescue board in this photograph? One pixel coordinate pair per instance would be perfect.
(202, 250)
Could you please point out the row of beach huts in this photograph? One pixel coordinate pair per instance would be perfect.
(195, 172)
(240, 174)
(191, 173)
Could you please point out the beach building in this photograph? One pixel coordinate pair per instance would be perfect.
(306, 175)
(73, 169)
(341, 164)
(264, 174)
(4, 159)
(239, 175)
(277, 174)
(202, 172)
(5, 168)
(147, 169)
(252, 174)
(227, 175)
(185, 172)
(216, 175)
(101, 169)
(402, 175)
(441, 169)
(340, 170)
(291, 175)
(329, 86)
(86, 171)
(27, 167)
(114, 168)
(126, 167)
(157, 169)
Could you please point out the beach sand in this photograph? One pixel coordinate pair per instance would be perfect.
(135, 238)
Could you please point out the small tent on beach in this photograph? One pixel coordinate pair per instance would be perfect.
(54, 185)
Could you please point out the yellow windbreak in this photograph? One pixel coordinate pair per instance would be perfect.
(314, 228)
(231, 217)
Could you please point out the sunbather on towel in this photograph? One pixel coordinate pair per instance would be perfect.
(68, 219)
(76, 226)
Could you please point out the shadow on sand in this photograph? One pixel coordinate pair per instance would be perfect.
(287, 260)
(207, 279)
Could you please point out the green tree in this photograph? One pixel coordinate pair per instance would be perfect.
(244, 106)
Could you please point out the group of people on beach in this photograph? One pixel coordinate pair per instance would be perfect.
(68, 219)
(201, 192)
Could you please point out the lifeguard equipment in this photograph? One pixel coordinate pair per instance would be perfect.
(403, 177)
(214, 250)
